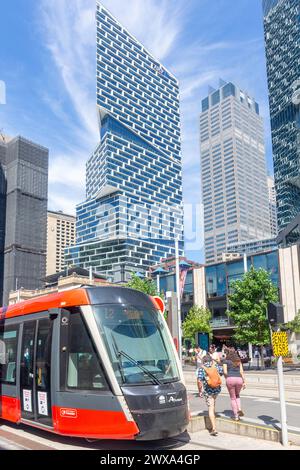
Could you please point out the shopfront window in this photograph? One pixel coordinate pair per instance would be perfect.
(216, 280)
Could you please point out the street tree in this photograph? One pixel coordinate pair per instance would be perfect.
(248, 303)
(145, 285)
(197, 321)
(294, 325)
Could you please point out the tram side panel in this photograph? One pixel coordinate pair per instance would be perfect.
(10, 405)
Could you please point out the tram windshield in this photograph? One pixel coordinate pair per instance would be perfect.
(137, 343)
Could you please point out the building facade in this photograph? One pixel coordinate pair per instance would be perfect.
(234, 176)
(61, 233)
(133, 212)
(282, 32)
(26, 178)
(2, 210)
(272, 206)
(253, 246)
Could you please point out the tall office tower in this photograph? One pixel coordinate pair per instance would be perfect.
(2, 210)
(272, 206)
(61, 233)
(133, 212)
(282, 33)
(234, 177)
(26, 173)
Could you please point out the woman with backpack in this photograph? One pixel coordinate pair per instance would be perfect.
(209, 374)
(235, 381)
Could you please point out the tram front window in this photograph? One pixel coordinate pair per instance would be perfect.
(137, 343)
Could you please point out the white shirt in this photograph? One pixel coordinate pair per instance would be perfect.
(200, 355)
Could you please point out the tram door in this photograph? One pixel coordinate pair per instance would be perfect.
(35, 373)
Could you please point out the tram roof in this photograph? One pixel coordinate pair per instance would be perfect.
(62, 299)
(76, 297)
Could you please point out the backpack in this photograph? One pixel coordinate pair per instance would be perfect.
(213, 378)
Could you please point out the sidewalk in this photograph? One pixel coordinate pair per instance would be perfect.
(259, 383)
(203, 441)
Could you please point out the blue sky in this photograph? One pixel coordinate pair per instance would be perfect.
(48, 62)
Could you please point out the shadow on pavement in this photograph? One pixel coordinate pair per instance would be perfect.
(270, 421)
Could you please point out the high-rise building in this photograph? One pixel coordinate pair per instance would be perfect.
(61, 233)
(282, 32)
(2, 210)
(25, 175)
(234, 176)
(272, 206)
(133, 212)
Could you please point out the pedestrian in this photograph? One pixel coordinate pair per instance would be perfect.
(200, 354)
(209, 375)
(213, 353)
(235, 382)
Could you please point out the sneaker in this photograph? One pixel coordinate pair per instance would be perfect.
(240, 413)
(235, 418)
(214, 433)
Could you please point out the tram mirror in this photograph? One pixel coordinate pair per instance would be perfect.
(54, 313)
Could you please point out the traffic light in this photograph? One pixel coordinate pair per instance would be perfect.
(275, 313)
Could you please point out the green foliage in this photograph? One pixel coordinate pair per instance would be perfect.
(197, 321)
(248, 304)
(294, 326)
(145, 285)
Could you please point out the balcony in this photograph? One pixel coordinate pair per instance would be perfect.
(221, 322)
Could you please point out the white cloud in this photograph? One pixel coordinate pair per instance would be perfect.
(67, 170)
(150, 22)
(69, 29)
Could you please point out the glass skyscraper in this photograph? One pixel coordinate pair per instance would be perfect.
(133, 212)
(282, 36)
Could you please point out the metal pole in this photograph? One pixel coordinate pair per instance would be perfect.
(250, 349)
(245, 263)
(284, 430)
(91, 273)
(178, 299)
(158, 284)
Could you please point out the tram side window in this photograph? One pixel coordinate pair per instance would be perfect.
(84, 371)
(8, 354)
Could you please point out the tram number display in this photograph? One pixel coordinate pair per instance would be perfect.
(133, 314)
(43, 403)
(27, 401)
(280, 344)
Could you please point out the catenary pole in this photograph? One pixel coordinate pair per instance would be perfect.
(284, 430)
(250, 349)
(178, 299)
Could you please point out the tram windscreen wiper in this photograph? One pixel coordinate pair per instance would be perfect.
(121, 368)
(146, 371)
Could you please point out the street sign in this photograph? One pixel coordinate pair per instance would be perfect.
(280, 344)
